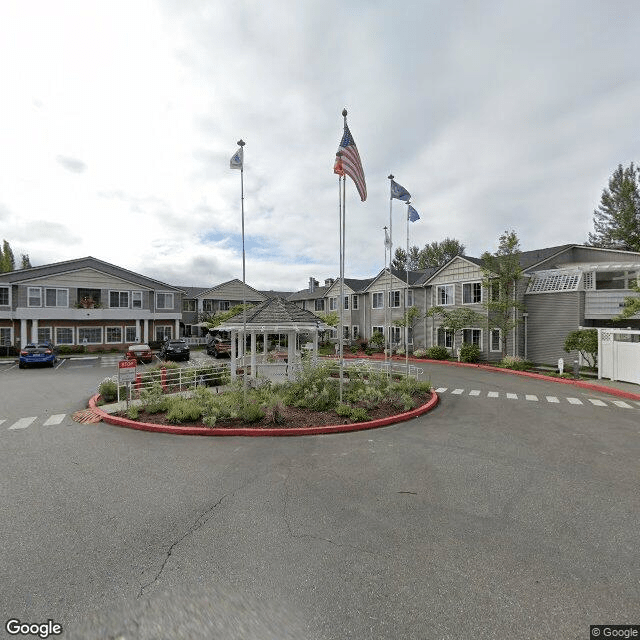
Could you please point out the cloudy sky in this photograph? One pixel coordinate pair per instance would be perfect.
(118, 120)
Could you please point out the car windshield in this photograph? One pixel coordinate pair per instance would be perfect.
(44, 345)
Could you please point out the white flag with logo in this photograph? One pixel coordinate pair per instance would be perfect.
(237, 159)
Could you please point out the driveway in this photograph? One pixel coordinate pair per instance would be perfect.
(490, 517)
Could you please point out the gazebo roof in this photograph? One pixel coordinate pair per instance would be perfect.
(275, 315)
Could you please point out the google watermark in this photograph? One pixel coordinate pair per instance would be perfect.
(598, 631)
(43, 630)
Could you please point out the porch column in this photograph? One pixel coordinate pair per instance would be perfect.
(23, 332)
(34, 330)
(234, 337)
(253, 354)
(264, 344)
(291, 346)
(146, 331)
(177, 333)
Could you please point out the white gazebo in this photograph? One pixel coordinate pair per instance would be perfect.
(274, 316)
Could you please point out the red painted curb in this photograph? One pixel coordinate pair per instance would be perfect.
(249, 431)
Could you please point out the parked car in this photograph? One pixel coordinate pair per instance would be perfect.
(218, 347)
(175, 350)
(139, 353)
(38, 353)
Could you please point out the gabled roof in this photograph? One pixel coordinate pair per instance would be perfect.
(272, 313)
(400, 275)
(305, 294)
(475, 261)
(192, 292)
(220, 286)
(88, 262)
(276, 294)
(530, 259)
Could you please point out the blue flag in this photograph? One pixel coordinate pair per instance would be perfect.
(412, 214)
(399, 192)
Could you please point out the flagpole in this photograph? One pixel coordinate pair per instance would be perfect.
(341, 202)
(406, 299)
(388, 312)
(241, 144)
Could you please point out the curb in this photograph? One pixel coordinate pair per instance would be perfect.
(253, 432)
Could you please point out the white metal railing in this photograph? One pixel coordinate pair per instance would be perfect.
(390, 366)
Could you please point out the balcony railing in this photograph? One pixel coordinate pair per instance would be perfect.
(604, 305)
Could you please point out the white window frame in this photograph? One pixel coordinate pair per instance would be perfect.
(4, 330)
(447, 338)
(354, 302)
(319, 304)
(167, 294)
(395, 335)
(57, 292)
(333, 304)
(47, 330)
(119, 305)
(127, 329)
(472, 342)
(224, 305)
(355, 331)
(208, 305)
(377, 296)
(168, 335)
(346, 303)
(8, 290)
(29, 296)
(57, 341)
(377, 330)
(189, 305)
(136, 299)
(410, 298)
(81, 339)
(409, 335)
(106, 334)
(345, 332)
(491, 336)
(470, 286)
(395, 300)
(444, 288)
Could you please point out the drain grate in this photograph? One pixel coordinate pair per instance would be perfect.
(86, 416)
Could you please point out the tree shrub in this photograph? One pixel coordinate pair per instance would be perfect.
(469, 352)
(108, 389)
(585, 341)
(377, 340)
(437, 353)
(516, 363)
(419, 353)
(183, 410)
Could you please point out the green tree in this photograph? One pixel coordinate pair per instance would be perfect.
(400, 262)
(501, 274)
(8, 262)
(631, 306)
(411, 317)
(332, 318)
(586, 342)
(437, 254)
(616, 221)
(25, 263)
(456, 319)
(216, 319)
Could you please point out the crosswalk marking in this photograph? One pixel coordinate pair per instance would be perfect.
(441, 389)
(512, 396)
(552, 399)
(22, 423)
(574, 401)
(475, 392)
(531, 397)
(598, 403)
(493, 394)
(457, 392)
(621, 403)
(55, 419)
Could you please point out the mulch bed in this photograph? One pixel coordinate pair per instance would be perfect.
(295, 417)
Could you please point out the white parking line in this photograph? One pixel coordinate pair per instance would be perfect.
(475, 392)
(512, 396)
(457, 392)
(598, 403)
(574, 401)
(493, 394)
(621, 403)
(62, 361)
(23, 423)
(3, 420)
(441, 389)
(531, 397)
(552, 399)
(55, 419)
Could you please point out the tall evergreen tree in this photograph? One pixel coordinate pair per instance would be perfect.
(434, 254)
(501, 273)
(8, 261)
(25, 262)
(616, 221)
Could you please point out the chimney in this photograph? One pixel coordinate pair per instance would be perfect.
(313, 283)
(328, 282)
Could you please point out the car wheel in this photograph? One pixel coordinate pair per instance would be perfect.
(20, 365)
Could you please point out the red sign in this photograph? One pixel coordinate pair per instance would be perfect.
(127, 370)
(127, 364)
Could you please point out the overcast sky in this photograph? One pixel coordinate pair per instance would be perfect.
(118, 120)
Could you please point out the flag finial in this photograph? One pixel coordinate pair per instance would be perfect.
(241, 143)
(344, 113)
(390, 176)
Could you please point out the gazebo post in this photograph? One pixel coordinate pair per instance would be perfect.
(234, 337)
(253, 353)
(291, 351)
(264, 345)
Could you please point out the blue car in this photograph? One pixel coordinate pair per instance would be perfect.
(43, 353)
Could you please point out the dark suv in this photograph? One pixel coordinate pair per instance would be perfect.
(219, 347)
(175, 350)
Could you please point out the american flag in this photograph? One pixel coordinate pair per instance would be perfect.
(349, 163)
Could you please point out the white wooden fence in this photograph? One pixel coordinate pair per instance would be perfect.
(619, 354)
